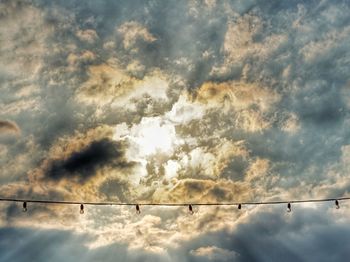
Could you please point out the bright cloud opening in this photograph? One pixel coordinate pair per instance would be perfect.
(151, 136)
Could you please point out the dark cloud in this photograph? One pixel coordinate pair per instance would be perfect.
(304, 235)
(84, 163)
(273, 235)
(8, 127)
(41, 245)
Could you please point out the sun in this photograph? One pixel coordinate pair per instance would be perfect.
(151, 136)
(154, 136)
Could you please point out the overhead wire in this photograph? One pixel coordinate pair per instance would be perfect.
(190, 205)
(62, 202)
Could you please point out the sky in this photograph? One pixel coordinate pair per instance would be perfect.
(174, 102)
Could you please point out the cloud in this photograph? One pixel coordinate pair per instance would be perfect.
(258, 169)
(133, 32)
(239, 95)
(22, 51)
(88, 35)
(81, 156)
(84, 163)
(202, 190)
(75, 60)
(247, 39)
(268, 234)
(177, 101)
(22, 47)
(249, 104)
(40, 244)
(8, 127)
(109, 85)
(213, 253)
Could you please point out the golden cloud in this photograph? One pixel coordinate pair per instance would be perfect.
(248, 102)
(237, 95)
(108, 83)
(196, 190)
(88, 35)
(258, 169)
(132, 32)
(83, 57)
(239, 43)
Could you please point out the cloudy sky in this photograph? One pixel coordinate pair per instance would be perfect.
(174, 101)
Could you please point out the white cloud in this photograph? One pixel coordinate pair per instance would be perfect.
(88, 35)
(183, 111)
(214, 253)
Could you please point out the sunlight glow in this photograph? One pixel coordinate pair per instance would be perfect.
(151, 136)
(154, 136)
